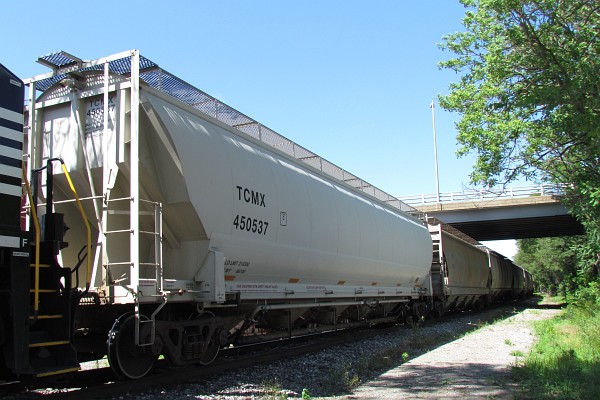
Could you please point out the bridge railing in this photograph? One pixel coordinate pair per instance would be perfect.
(486, 194)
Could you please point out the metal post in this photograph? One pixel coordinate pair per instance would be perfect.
(158, 246)
(35, 183)
(49, 221)
(134, 217)
(105, 174)
(134, 190)
(437, 178)
(30, 159)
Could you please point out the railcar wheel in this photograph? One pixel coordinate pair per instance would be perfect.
(127, 360)
(415, 314)
(438, 309)
(211, 345)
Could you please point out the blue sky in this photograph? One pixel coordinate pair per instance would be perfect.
(349, 80)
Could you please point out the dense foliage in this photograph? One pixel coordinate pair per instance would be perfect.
(559, 265)
(529, 96)
(564, 363)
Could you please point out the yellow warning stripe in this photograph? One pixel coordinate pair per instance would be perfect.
(41, 265)
(45, 344)
(52, 316)
(58, 372)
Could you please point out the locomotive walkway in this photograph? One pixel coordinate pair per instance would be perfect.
(476, 366)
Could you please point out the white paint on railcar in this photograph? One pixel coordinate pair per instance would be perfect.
(271, 218)
(331, 233)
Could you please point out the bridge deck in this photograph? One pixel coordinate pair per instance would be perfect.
(495, 216)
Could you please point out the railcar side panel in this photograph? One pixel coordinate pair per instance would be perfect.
(502, 273)
(281, 226)
(466, 267)
(518, 281)
(297, 212)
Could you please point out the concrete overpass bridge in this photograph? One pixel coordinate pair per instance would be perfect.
(511, 213)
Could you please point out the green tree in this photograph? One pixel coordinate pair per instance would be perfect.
(529, 96)
(553, 262)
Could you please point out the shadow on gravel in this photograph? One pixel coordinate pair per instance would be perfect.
(535, 302)
(556, 306)
(414, 342)
(459, 380)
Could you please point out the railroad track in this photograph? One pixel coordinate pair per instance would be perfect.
(100, 383)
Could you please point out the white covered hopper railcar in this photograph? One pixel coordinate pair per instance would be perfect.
(222, 232)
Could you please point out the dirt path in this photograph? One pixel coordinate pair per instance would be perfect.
(476, 366)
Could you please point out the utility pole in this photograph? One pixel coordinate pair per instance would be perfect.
(437, 178)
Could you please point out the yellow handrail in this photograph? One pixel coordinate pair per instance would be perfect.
(85, 221)
(37, 242)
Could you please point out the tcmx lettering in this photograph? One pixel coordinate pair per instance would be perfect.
(99, 101)
(251, 196)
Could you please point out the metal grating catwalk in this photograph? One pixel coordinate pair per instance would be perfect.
(64, 64)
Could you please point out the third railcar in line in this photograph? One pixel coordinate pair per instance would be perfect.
(172, 224)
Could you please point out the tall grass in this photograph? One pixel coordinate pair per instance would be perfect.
(565, 363)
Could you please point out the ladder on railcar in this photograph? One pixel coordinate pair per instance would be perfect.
(120, 273)
(438, 276)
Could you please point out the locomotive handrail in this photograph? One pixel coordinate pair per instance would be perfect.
(36, 223)
(85, 221)
(81, 199)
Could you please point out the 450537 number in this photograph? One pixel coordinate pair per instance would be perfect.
(248, 224)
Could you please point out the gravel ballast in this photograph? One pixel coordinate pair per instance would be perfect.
(476, 366)
(463, 355)
(442, 362)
